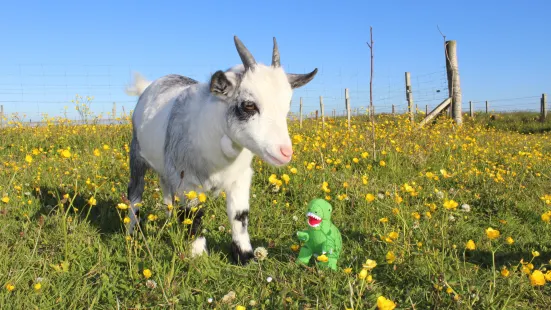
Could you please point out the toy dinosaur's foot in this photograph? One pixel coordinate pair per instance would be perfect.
(304, 256)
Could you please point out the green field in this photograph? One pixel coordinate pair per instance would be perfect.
(411, 201)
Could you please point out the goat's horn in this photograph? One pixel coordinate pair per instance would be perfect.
(275, 55)
(246, 56)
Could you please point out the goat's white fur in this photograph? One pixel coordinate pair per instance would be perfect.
(182, 127)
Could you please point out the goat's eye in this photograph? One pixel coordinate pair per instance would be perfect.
(249, 105)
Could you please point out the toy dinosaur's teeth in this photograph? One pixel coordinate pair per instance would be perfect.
(313, 219)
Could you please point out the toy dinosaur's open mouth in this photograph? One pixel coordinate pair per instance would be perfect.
(313, 220)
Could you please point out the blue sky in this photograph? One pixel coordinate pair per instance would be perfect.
(54, 50)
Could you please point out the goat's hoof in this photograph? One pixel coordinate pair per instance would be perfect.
(199, 247)
(240, 257)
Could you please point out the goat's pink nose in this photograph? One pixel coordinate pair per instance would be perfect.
(286, 151)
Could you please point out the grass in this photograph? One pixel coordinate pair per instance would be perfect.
(415, 224)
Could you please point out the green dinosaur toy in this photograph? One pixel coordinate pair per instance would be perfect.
(322, 238)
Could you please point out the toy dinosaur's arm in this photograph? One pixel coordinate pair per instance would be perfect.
(303, 236)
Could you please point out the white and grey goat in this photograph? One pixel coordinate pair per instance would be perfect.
(203, 136)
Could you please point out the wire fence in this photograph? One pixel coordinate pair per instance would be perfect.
(32, 91)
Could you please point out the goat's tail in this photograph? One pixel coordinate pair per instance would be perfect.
(139, 85)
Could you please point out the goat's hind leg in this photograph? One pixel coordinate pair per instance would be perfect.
(138, 169)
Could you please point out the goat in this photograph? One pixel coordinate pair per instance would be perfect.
(203, 137)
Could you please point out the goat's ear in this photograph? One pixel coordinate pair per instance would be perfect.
(299, 80)
(220, 85)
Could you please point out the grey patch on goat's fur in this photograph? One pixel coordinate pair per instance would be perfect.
(138, 169)
(178, 144)
(175, 80)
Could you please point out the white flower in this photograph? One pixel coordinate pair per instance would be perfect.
(229, 297)
(209, 300)
(269, 279)
(295, 218)
(465, 207)
(260, 253)
(151, 284)
(221, 228)
(381, 195)
(252, 303)
(440, 195)
(451, 218)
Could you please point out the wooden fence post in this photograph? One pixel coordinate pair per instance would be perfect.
(454, 85)
(543, 107)
(393, 110)
(300, 116)
(426, 109)
(471, 112)
(322, 113)
(409, 96)
(317, 114)
(347, 104)
(1, 116)
(486, 106)
(114, 110)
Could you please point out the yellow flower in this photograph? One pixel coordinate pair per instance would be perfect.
(548, 276)
(29, 159)
(450, 204)
(369, 197)
(147, 273)
(92, 201)
(285, 178)
(363, 274)
(393, 235)
(546, 217)
(191, 195)
(355, 160)
(537, 278)
(238, 307)
(97, 153)
(122, 206)
(470, 245)
(370, 264)
(390, 257)
(385, 304)
(398, 199)
(152, 217)
(416, 215)
(188, 222)
(504, 272)
(293, 170)
(295, 247)
(37, 286)
(66, 153)
(202, 197)
(10, 287)
(323, 258)
(349, 270)
(383, 220)
(5, 199)
(382, 163)
(492, 233)
(105, 147)
(126, 220)
(510, 240)
(535, 253)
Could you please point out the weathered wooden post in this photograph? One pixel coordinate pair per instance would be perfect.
(300, 111)
(347, 104)
(454, 85)
(409, 96)
(486, 106)
(317, 115)
(114, 110)
(393, 110)
(471, 112)
(426, 109)
(1, 116)
(543, 107)
(322, 113)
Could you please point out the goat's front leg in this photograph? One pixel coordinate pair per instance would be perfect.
(237, 203)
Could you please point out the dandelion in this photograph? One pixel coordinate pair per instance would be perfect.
(147, 273)
(122, 206)
(295, 247)
(238, 307)
(191, 195)
(369, 264)
(349, 270)
(5, 199)
(504, 272)
(97, 152)
(126, 220)
(202, 197)
(151, 284)
(29, 159)
(66, 153)
(509, 240)
(382, 163)
(535, 253)
(92, 201)
(383, 220)
(37, 286)
(465, 208)
(260, 253)
(294, 170)
(470, 245)
(363, 274)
